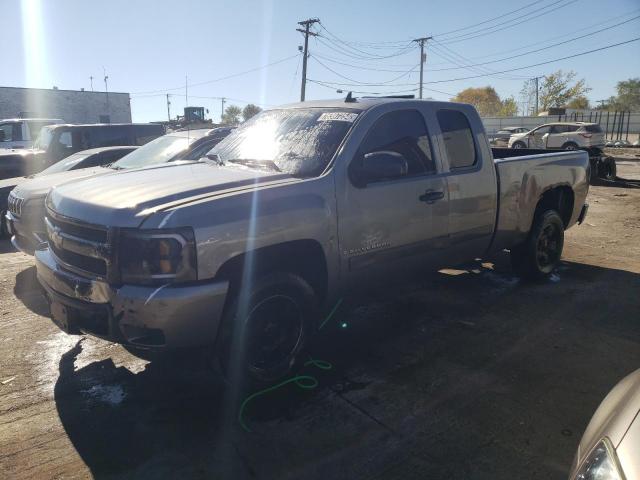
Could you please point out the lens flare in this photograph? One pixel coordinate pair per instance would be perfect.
(35, 58)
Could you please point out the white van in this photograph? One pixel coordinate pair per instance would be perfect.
(22, 132)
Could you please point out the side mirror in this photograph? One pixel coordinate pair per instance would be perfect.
(383, 165)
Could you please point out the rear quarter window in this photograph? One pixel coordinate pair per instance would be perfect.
(458, 139)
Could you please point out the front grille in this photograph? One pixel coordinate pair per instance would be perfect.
(88, 264)
(79, 246)
(15, 204)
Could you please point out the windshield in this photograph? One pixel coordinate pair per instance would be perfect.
(44, 139)
(65, 164)
(160, 150)
(300, 142)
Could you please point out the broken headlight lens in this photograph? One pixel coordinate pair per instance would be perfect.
(157, 256)
(600, 464)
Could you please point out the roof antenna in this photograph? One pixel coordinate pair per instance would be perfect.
(350, 98)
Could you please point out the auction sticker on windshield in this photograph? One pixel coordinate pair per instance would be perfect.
(337, 117)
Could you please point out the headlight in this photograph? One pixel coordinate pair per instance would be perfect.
(157, 256)
(600, 464)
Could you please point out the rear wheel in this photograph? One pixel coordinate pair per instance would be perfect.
(540, 254)
(265, 329)
(570, 146)
(518, 145)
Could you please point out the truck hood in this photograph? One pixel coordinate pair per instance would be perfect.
(125, 199)
(31, 188)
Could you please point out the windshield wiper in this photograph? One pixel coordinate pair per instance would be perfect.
(113, 166)
(252, 162)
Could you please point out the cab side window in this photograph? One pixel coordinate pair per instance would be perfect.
(458, 139)
(403, 132)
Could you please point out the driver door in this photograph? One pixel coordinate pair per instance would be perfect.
(390, 225)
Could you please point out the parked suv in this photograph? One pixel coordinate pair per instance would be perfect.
(59, 141)
(565, 136)
(25, 216)
(22, 132)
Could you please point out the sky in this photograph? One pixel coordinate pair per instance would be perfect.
(151, 48)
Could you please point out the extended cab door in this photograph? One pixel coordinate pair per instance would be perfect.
(387, 225)
(472, 183)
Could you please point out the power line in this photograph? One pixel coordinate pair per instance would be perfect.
(451, 55)
(489, 20)
(489, 30)
(361, 67)
(538, 49)
(206, 82)
(543, 63)
(328, 85)
(358, 81)
(606, 47)
(334, 38)
(564, 35)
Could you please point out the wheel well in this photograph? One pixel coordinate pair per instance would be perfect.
(559, 199)
(302, 257)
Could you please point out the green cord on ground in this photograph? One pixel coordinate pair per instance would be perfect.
(306, 382)
(330, 314)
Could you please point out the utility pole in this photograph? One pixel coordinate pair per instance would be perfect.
(106, 89)
(222, 110)
(168, 108)
(601, 102)
(91, 80)
(306, 24)
(423, 58)
(537, 92)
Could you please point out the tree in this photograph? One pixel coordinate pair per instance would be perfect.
(231, 115)
(485, 99)
(508, 108)
(628, 97)
(249, 111)
(556, 90)
(579, 103)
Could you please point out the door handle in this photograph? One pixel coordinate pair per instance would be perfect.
(431, 196)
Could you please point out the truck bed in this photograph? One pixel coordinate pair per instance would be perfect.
(523, 176)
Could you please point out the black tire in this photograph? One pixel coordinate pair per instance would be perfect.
(607, 168)
(540, 254)
(262, 342)
(570, 146)
(518, 145)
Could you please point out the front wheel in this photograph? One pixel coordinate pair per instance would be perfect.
(518, 145)
(265, 328)
(540, 254)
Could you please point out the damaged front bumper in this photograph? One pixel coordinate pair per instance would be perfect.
(164, 317)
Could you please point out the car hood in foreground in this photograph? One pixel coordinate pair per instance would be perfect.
(614, 415)
(126, 198)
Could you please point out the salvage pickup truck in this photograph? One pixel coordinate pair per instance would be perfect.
(241, 251)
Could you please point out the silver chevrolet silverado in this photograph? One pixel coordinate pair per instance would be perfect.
(243, 250)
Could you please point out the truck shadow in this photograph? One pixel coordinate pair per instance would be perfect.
(27, 289)
(423, 344)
